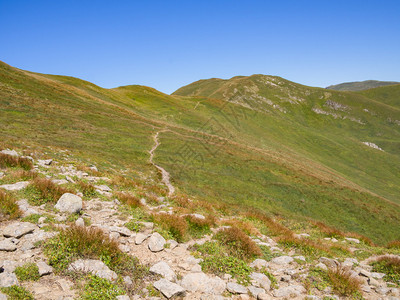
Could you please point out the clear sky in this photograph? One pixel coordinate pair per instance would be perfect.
(167, 44)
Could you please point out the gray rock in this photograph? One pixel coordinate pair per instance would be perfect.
(9, 152)
(27, 245)
(352, 240)
(15, 186)
(45, 162)
(103, 188)
(378, 275)
(44, 268)
(289, 291)
(282, 260)
(7, 245)
(255, 291)
(364, 273)
(123, 297)
(8, 266)
(3, 296)
(69, 203)
(200, 282)
(382, 290)
(168, 288)
(156, 242)
(373, 282)
(258, 263)
(198, 216)
(80, 222)
(163, 269)
(300, 257)
(140, 238)
(330, 263)
(97, 267)
(172, 244)
(121, 230)
(263, 296)
(260, 280)
(312, 297)
(8, 279)
(128, 280)
(236, 288)
(18, 229)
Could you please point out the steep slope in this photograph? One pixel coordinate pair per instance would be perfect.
(360, 85)
(278, 146)
(389, 95)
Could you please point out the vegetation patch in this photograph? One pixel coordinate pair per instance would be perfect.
(87, 189)
(8, 206)
(390, 265)
(7, 161)
(129, 199)
(16, 292)
(100, 288)
(43, 190)
(199, 227)
(133, 225)
(28, 271)
(175, 225)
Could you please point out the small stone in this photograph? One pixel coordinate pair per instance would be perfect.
(44, 268)
(3, 296)
(114, 235)
(196, 268)
(352, 240)
(15, 186)
(69, 203)
(330, 263)
(80, 222)
(7, 245)
(140, 238)
(378, 275)
(123, 297)
(373, 282)
(365, 273)
(9, 152)
(236, 288)
(263, 296)
(163, 269)
(172, 244)
(255, 291)
(302, 258)
(282, 260)
(200, 282)
(156, 242)
(45, 162)
(97, 267)
(260, 280)
(103, 188)
(18, 229)
(168, 288)
(128, 280)
(41, 220)
(121, 230)
(258, 263)
(289, 291)
(8, 279)
(382, 290)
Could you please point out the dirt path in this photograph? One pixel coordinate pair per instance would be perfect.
(164, 173)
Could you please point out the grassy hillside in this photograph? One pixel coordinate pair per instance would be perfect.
(257, 141)
(360, 85)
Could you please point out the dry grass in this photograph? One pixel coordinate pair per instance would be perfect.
(8, 206)
(344, 282)
(48, 190)
(238, 243)
(182, 200)
(129, 199)
(393, 245)
(15, 161)
(274, 227)
(245, 226)
(176, 225)
(87, 189)
(122, 181)
(390, 265)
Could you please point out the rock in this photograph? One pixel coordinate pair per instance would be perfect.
(289, 291)
(128, 280)
(80, 222)
(7, 245)
(330, 263)
(45, 162)
(302, 258)
(236, 288)
(8, 279)
(140, 238)
(263, 296)
(44, 268)
(69, 203)
(60, 181)
(163, 269)
(200, 282)
(122, 297)
(172, 244)
(352, 240)
(97, 267)
(382, 290)
(121, 230)
(103, 188)
(8, 266)
(27, 245)
(114, 235)
(255, 291)
(9, 152)
(93, 168)
(3, 296)
(196, 268)
(378, 275)
(373, 282)
(156, 242)
(258, 263)
(349, 262)
(365, 273)
(168, 288)
(311, 297)
(18, 229)
(286, 278)
(260, 280)
(15, 186)
(282, 260)
(198, 216)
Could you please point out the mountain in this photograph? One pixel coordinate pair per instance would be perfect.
(360, 85)
(291, 151)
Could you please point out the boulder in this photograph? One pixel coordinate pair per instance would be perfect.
(200, 282)
(15, 186)
(156, 242)
(18, 229)
(163, 269)
(236, 288)
(255, 291)
(97, 267)
(168, 288)
(8, 279)
(44, 268)
(260, 280)
(69, 203)
(282, 260)
(140, 238)
(7, 245)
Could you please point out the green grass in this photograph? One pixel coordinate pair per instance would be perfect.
(28, 271)
(16, 292)
(100, 288)
(297, 164)
(390, 266)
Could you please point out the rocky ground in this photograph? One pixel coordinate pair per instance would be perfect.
(177, 267)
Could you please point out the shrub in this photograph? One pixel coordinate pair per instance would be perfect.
(344, 282)
(15, 161)
(100, 289)
(8, 206)
(129, 199)
(390, 265)
(16, 292)
(238, 243)
(44, 190)
(199, 227)
(87, 189)
(175, 225)
(245, 226)
(393, 245)
(134, 225)
(28, 271)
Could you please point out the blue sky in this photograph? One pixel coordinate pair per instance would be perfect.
(168, 44)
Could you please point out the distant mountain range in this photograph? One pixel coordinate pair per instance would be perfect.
(360, 85)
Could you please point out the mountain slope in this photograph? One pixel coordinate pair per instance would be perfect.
(278, 146)
(360, 85)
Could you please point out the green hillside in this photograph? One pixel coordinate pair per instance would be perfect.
(257, 141)
(360, 85)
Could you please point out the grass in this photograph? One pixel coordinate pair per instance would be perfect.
(390, 265)
(43, 190)
(16, 292)
(129, 199)
(28, 271)
(100, 288)
(394, 245)
(200, 227)
(87, 189)
(134, 226)
(8, 206)
(175, 225)
(7, 161)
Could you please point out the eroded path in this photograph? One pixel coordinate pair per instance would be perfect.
(165, 175)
